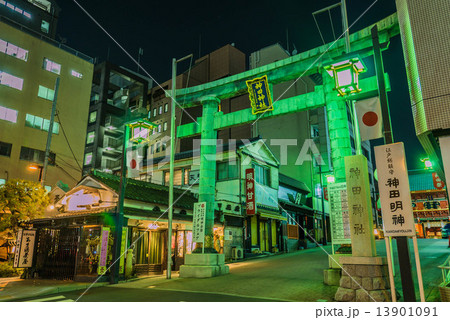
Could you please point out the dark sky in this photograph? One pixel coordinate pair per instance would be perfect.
(168, 29)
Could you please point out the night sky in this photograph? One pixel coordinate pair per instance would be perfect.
(168, 29)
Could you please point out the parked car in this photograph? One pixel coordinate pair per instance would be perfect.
(446, 231)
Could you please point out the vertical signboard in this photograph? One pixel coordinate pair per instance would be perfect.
(359, 206)
(395, 195)
(17, 248)
(250, 191)
(103, 250)
(339, 218)
(123, 246)
(198, 230)
(27, 248)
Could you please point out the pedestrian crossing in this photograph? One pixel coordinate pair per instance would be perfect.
(52, 299)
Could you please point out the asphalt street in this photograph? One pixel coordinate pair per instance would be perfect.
(294, 276)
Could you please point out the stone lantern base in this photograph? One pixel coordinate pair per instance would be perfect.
(364, 279)
(203, 265)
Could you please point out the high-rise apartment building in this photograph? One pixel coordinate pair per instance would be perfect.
(30, 63)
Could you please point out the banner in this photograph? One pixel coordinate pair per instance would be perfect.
(134, 161)
(198, 229)
(250, 191)
(17, 248)
(103, 250)
(369, 118)
(123, 246)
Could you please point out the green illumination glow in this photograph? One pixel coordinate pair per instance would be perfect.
(345, 74)
(140, 130)
(330, 178)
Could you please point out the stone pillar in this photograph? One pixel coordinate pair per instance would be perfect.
(207, 183)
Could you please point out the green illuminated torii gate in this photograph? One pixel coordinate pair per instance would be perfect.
(310, 62)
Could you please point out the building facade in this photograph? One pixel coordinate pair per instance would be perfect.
(30, 63)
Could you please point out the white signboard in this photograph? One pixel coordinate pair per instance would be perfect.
(27, 248)
(17, 248)
(395, 195)
(339, 218)
(198, 230)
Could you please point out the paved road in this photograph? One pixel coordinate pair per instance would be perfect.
(289, 277)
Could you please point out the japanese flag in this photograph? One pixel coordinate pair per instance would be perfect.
(134, 160)
(369, 118)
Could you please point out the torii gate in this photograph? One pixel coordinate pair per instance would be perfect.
(307, 63)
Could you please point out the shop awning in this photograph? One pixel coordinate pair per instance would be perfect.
(272, 216)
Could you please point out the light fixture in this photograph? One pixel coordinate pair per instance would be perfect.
(330, 178)
(345, 74)
(140, 130)
(427, 162)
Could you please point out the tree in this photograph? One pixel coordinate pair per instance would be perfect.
(20, 201)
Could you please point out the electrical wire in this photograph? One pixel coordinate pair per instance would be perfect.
(67, 140)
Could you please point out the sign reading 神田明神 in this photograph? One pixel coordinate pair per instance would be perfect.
(395, 195)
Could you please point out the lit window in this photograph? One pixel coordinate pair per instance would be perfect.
(40, 123)
(8, 114)
(3, 2)
(45, 26)
(52, 66)
(90, 137)
(154, 112)
(13, 50)
(166, 107)
(19, 10)
(76, 74)
(9, 5)
(46, 93)
(9, 80)
(26, 14)
(87, 158)
(165, 126)
(159, 128)
(92, 116)
(160, 109)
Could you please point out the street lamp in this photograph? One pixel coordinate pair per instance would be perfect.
(427, 162)
(346, 75)
(34, 167)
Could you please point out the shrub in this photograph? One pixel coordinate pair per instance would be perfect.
(6, 270)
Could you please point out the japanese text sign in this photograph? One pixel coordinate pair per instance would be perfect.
(359, 206)
(103, 250)
(395, 195)
(23, 257)
(123, 246)
(198, 231)
(259, 93)
(250, 191)
(17, 248)
(339, 218)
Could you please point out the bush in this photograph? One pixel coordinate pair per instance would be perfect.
(6, 270)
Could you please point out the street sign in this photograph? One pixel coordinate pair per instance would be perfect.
(250, 191)
(27, 249)
(198, 232)
(395, 194)
(339, 218)
(259, 94)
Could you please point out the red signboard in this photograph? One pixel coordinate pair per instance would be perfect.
(437, 182)
(250, 191)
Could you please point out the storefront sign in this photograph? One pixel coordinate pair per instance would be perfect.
(17, 248)
(395, 195)
(437, 182)
(259, 94)
(250, 191)
(198, 230)
(123, 245)
(359, 206)
(194, 177)
(339, 218)
(103, 250)
(27, 248)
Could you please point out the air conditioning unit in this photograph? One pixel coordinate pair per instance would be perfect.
(237, 253)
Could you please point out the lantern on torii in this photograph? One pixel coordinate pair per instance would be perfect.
(345, 74)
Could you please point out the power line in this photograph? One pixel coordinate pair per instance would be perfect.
(67, 140)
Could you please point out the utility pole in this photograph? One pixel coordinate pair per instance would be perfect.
(171, 164)
(49, 135)
(409, 294)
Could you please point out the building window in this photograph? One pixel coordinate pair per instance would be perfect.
(13, 50)
(165, 126)
(92, 116)
(2, 182)
(158, 147)
(154, 112)
(152, 149)
(5, 149)
(159, 128)
(9, 80)
(46, 93)
(26, 14)
(163, 147)
(226, 170)
(40, 123)
(8, 114)
(87, 158)
(30, 154)
(76, 74)
(45, 27)
(52, 66)
(90, 137)
(262, 174)
(166, 107)
(160, 109)
(177, 175)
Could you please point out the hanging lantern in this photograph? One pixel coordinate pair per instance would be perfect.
(345, 74)
(140, 131)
